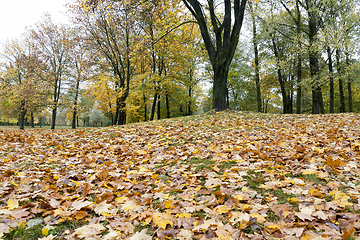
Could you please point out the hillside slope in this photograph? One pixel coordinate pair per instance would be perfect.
(229, 175)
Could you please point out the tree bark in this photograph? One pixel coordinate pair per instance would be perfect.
(32, 119)
(317, 102)
(257, 64)
(349, 84)
(56, 100)
(22, 115)
(73, 124)
(221, 50)
(153, 107)
(285, 97)
(299, 60)
(167, 104)
(189, 108)
(145, 108)
(331, 79)
(158, 108)
(341, 87)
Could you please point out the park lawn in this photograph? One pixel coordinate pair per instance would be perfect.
(229, 175)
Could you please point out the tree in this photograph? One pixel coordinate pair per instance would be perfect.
(256, 59)
(79, 63)
(226, 33)
(21, 88)
(110, 25)
(51, 46)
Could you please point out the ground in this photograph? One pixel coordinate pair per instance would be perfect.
(230, 175)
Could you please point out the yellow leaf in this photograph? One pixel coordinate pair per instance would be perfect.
(162, 219)
(308, 172)
(121, 200)
(259, 218)
(239, 197)
(272, 227)
(222, 209)
(45, 231)
(184, 215)
(168, 204)
(12, 204)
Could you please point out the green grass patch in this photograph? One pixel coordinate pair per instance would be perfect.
(35, 232)
(141, 227)
(25, 234)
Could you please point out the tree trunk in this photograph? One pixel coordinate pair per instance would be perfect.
(285, 97)
(122, 111)
(53, 118)
(32, 119)
(299, 60)
(219, 90)
(221, 44)
(257, 64)
(153, 107)
(75, 103)
(331, 78)
(189, 110)
(167, 105)
(349, 84)
(158, 108)
(145, 108)
(341, 87)
(22, 115)
(317, 106)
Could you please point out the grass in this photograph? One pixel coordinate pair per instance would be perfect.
(35, 232)
(39, 128)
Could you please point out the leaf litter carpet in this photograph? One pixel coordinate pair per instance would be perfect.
(230, 175)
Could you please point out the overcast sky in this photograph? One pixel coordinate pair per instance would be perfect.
(15, 15)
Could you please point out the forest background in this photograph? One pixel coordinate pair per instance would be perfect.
(118, 62)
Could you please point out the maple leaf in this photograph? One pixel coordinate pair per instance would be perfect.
(129, 205)
(103, 208)
(162, 219)
(140, 236)
(3, 229)
(89, 230)
(77, 205)
(12, 204)
(205, 226)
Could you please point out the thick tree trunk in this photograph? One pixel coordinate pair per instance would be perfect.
(53, 118)
(299, 60)
(145, 108)
(73, 124)
(349, 84)
(189, 108)
(22, 115)
(331, 78)
(167, 105)
(257, 62)
(317, 102)
(221, 44)
(153, 107)
(285, 97)
(158, 108)
(122, 111)
(341, 87)
(32, 119)
(219, 89)
(117, 111)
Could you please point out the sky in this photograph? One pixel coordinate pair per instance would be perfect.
(15, 15)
